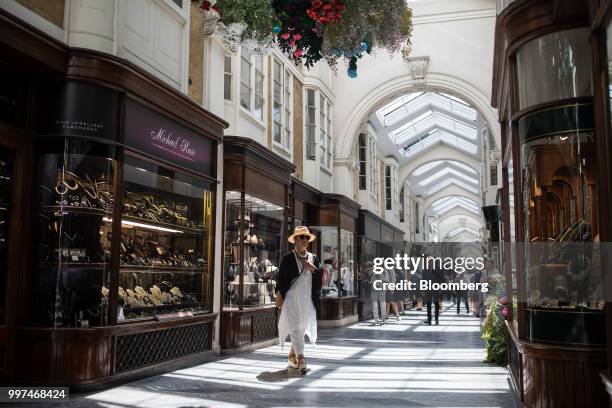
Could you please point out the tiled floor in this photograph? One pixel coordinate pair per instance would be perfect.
(400, 364)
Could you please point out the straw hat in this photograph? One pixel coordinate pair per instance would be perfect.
(301, 230)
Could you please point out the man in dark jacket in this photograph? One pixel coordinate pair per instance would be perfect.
(434, 275)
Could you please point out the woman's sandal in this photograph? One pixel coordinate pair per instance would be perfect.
(302, 365)
(292, 359)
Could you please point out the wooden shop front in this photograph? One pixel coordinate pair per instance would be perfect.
(109, 189)
(256, 183)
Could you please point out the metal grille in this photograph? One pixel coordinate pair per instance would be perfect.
(142, 349)
(349, 309)
(264, 326)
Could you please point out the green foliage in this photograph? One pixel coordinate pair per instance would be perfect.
(258, 15)
(494, 329)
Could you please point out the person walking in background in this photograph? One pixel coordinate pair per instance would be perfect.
(476, 297)
(432, 297)
(392, 295)
(378, 298)
(462, 295)
(298, 289)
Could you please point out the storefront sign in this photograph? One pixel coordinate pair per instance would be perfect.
(149, 132)
(78, 109)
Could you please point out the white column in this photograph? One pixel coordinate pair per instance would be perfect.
(343, 182)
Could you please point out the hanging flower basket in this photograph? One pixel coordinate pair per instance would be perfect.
(308, 31)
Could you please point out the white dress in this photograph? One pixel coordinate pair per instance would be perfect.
(298, 316)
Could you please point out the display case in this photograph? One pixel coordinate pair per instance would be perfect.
(563, 294)
(253, 250)
(543, 89)
(165, 234)
(335, 222)
(72, 264)
(256, 183)
(375, 238)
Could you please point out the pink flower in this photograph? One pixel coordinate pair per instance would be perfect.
(505, 311)
(317, 4)
(297, 37)
(298, 53)
(503, 301)
(285, 36)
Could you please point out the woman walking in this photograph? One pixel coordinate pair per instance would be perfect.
(298, 289)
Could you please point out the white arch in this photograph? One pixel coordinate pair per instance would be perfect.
(381, 93)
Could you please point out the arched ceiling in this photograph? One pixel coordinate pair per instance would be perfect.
(444, 130)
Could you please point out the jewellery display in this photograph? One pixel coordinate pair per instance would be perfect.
(149, 207)
(163, 245)
(81, 191)
(162, 250)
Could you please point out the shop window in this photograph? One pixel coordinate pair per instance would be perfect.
(608, 42)
(417, 220)
(164, 242)
(362, 162)
(338, 262)
(553, 67)
(388, 189)
(7, 182)
(253, 250)
(227, 78)
(311, 125)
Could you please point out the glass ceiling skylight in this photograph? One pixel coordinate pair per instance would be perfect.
(452, 206)
(437, 175)
(452, 180)
(439, 136)
(426, 167)
(428, 121)
(413, 104)
(461, 230)
(453, 200)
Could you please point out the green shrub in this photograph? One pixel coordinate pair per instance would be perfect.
(494, 333)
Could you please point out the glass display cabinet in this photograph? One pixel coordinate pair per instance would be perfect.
(257, 183)
(543, 89)
(75, 197)
(253, 250)
(563, 295)
(165, 233)
(335, 224)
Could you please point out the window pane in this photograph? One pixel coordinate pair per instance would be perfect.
(245, 96)
(228, 64)
(227, 87)
(554, 66)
